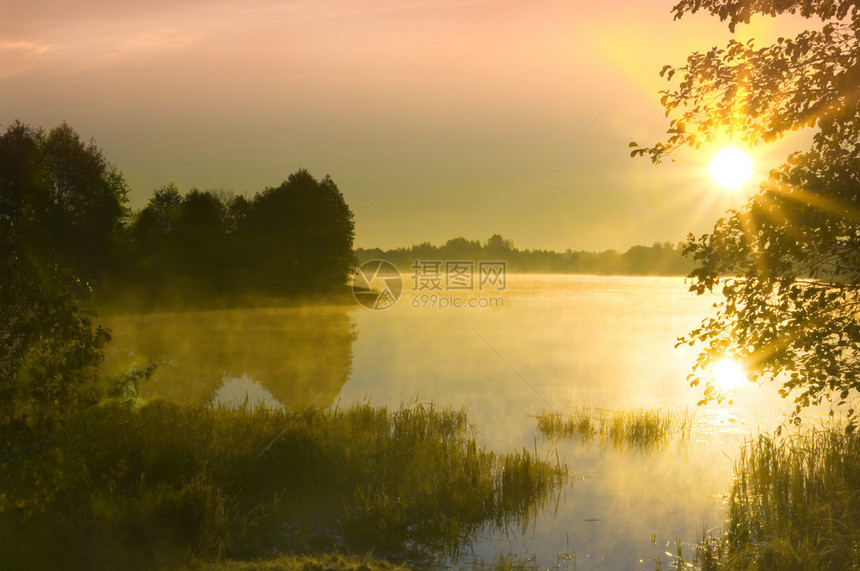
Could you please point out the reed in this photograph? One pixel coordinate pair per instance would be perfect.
(643, 431)
(146, 488)
(299, 563)
(795, 502)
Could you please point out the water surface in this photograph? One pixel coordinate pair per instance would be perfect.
(553, 343)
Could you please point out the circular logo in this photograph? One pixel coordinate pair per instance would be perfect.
(377, 284)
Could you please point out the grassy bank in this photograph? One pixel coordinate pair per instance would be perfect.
(162, 485)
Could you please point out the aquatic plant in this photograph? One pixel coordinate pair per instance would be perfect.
(638, 430)
(794, 504)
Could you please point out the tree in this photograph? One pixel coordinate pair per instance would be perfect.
(61, 198)
(788, 261)
(149, 231)
(50, 349)
(496, 243)
(297, 237)
(164, 204)
(61, 205)
(460, 248)
(199, 237)
(183, 240)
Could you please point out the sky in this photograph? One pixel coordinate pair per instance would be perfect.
(436, 119)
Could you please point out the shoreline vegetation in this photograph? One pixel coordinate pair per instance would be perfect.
(172, 485)
(197, 488)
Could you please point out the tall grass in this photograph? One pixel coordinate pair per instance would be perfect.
(323, 562)
(147, 488)
(794, 504)
(642, 431)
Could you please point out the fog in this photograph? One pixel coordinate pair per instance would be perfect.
(604, 342)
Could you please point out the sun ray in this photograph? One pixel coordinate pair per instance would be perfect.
(751, 234)
(812, 199)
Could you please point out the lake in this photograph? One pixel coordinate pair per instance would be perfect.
(544, 343)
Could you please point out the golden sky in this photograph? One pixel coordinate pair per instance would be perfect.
(435, 118)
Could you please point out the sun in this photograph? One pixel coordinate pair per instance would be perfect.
(728, 375)
(731, 168)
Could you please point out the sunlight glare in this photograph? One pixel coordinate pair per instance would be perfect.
(731, 168)
(728, 375)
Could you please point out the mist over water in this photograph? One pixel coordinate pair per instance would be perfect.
(557, 343)
(300, 355)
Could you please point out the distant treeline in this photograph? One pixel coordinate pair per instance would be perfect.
(62, 204)
(661, 259)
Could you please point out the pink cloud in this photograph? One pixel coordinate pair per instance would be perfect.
(20, 47)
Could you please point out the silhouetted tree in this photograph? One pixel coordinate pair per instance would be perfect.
(496, 243)
(64, 201)
(60, 205)
(461, 249)
(20, 186)
(238, 209)
(198, 238)
(164, 204)
(298, 236)
(788, 261)
(659, 259)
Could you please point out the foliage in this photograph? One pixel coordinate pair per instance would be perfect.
(65, 205)
(170, 483)
(50, 349)
(787, 262)
(60, 198)
(341, 562)
(292, 239)
(298, 235)
(757, 94)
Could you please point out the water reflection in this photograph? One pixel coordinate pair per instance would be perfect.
(561, 342)
(568, 342)
(299, 355)
(637, 431)
(244, 393)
